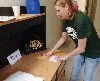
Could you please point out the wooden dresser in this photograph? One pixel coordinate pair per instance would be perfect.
(34, 64)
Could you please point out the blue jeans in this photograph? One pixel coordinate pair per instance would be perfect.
(90, 65)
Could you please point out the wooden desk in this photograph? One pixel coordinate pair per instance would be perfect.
(50, 71)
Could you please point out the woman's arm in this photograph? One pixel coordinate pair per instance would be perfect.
(80, 49)
(61, 41)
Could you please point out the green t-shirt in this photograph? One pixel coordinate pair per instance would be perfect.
(81, 27)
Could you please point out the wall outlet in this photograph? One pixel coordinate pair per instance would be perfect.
(14, 57)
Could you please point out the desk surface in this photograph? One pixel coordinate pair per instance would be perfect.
(31, 64)
(21, 17)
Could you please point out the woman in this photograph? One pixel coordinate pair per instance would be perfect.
(80, 29)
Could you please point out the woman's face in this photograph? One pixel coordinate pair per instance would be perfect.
(62, 12)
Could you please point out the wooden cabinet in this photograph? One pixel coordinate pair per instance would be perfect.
(54, 78)
(60, 74)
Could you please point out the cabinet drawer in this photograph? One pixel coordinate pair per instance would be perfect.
(60, 68)
(54, 78)
(61, 77)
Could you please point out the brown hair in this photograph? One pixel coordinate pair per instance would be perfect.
(62, 3)
(71, 3)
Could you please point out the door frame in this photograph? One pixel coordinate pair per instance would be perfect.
(91, 9)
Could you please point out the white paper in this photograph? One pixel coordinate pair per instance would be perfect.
(14, 57)
(6, 18)
(53, 58)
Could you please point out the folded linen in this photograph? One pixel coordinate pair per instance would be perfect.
(23, 76)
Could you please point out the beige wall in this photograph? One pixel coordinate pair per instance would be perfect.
(8, 3)
(81, 5)
(97, 18)
(53, 24)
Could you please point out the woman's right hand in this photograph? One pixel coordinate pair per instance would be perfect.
(47, 54)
